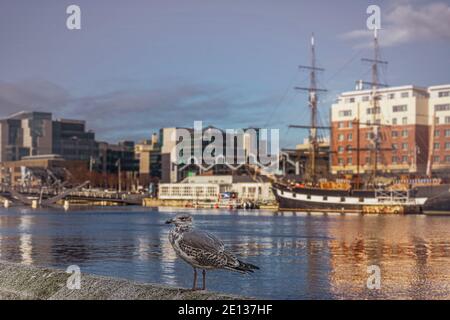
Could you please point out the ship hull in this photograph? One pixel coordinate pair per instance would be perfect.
(438, 199)
(305, 199)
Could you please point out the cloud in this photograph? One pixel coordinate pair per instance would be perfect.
(33, 94)
(135, 114)
(406, 22)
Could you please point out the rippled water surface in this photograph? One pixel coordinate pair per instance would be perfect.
(301, 256)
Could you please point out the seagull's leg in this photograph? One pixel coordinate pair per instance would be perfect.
(194, 286)
(204, 279)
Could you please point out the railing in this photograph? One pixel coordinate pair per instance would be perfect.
(392, 196)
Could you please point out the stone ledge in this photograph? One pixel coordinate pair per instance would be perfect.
(24, 282)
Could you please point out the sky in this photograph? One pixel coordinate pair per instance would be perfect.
(139, 65)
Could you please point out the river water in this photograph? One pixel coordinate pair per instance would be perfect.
(301, 256)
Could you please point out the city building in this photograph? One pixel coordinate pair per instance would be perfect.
(35, 133)
(294, 162)
(113, 157)
(208, 188)
(72, 141)
(148, 153)
(25, 134)
(404, 117)
(36, 170)
(439, 103)
(245, 148)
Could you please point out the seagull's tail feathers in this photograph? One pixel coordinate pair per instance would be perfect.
(240, 266)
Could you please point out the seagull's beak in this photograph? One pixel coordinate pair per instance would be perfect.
(170, 221)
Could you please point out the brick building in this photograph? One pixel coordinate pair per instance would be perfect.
(404, 118)
(439, 103)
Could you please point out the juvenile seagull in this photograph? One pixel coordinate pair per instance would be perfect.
(202, 249)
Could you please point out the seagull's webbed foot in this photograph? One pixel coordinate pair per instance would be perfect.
(196, 289)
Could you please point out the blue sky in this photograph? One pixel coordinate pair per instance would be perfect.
(139, 65)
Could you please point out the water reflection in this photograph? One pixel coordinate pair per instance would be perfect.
(26, 249)
(412, 252)
(301, 256)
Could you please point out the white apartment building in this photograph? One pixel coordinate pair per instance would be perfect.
(201, 188)
(439, 102)
(404, 117)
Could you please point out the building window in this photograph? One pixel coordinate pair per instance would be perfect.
(436, 120)
(340, 149)
(365, 98)
(349, 149)
(340, 125)
(447, 120)
(436, 159)
(400, 108)
(350, 100)
(447, 159)
(391, 96)
(447, 145)
(405, 159)
(404, 120)
(341, 161)
(404, 133)
(349, 161)
(405, 94)
(442, 107)
(394, 146)
(443, 94)
(404, 146)
(350, 137)
(437, 133)
(394, 134)
(345, 113)
(447, 133)
(436, 146)
(340, 137)
(394, 159)
(350, 124)
(394, 121)
(375, 110)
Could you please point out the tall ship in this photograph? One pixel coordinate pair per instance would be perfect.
(368, 193)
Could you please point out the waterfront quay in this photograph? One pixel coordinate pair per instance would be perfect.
(24, 282)
(84, 197)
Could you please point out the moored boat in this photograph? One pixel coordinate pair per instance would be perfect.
(362, 201)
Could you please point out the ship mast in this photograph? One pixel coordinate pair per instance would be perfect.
(431, 146)
(375, 106)
(313, 101)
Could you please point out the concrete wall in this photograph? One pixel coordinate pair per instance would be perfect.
(24, 282)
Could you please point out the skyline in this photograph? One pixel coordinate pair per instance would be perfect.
(133, 69)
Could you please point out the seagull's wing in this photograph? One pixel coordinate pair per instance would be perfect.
(202, 240)
(208, 250)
